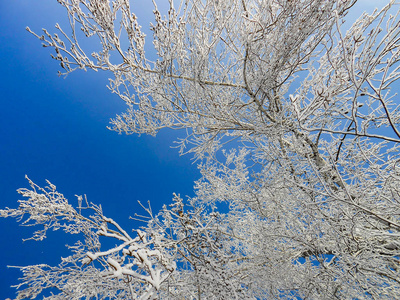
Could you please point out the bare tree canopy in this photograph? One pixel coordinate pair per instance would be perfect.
(288, 110)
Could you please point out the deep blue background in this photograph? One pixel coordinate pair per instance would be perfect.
(55, 128)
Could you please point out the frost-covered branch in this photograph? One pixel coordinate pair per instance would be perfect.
(135, 268)
(293, 116)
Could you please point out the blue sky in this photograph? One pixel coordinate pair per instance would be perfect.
(55, 128)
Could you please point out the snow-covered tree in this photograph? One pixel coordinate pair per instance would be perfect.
(290, 113)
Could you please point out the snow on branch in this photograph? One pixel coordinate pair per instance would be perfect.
(294, 118)
(136, 267)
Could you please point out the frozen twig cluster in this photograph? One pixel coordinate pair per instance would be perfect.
(296, 129)
(134, 269)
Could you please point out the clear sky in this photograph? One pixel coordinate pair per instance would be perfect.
(55, 128)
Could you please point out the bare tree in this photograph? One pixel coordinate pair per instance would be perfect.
(295, 128)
